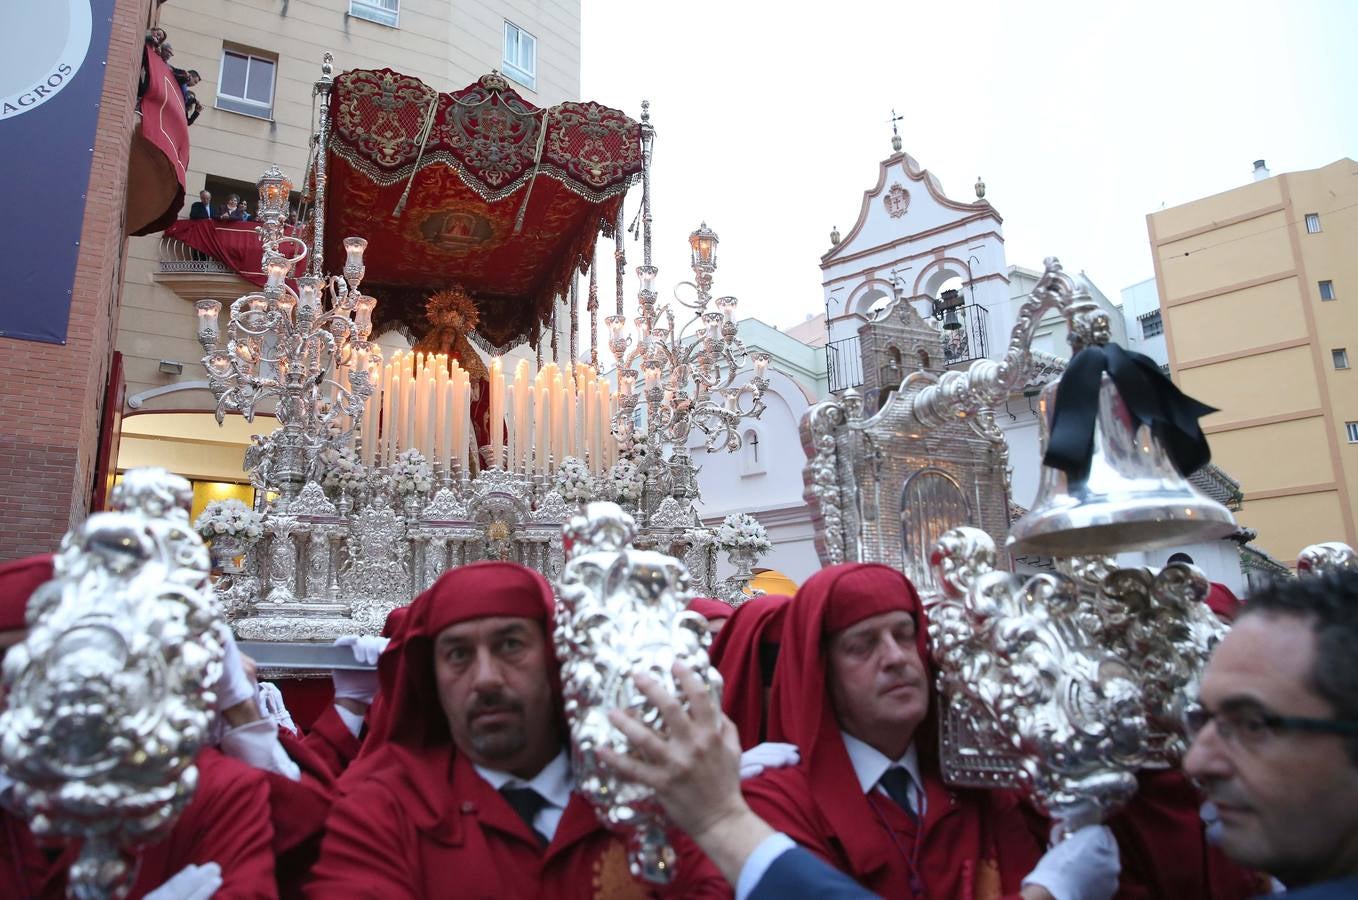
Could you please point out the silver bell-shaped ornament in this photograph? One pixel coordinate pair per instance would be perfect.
(1129, 494)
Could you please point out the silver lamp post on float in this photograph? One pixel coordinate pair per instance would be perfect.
(688, 376)
(305, 349)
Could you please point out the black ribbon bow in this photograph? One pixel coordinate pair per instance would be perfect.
(1151, 398)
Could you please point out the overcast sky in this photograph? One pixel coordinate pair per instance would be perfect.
(1082, 117)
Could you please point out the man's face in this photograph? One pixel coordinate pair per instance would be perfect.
(878, 683)
(205, 197)
(1288, 801)
(193, 79)
(495, 689)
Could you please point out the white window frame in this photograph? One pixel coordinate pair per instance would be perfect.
(1352, 428)
(1327, 287)
(1339, 355)
(1313, 223)
(382, 12)
(244, 105)
(513, 67)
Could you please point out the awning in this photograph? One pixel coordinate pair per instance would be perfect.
(478, 188)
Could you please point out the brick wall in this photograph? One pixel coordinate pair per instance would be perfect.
(51, 396)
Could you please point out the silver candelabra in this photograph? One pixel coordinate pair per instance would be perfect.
(305, 349)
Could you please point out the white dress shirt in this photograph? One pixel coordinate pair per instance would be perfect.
(554, 783)
(870, 764)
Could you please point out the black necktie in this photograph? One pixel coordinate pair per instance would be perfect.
(527, 803)
(897, 784)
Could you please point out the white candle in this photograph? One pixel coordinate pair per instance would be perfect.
(541, 413)
(396, 433)
(440, 412)
(497, 412)
(557, 425)
(469, 448)
(408, 407)
(458, 442)
(512, 425)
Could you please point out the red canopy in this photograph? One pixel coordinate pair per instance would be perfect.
(507, 200)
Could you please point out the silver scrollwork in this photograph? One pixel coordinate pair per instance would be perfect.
(622, 611)
(108, 697)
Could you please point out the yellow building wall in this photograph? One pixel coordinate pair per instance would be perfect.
(1234, 322)
(1204, 252)
(1299, 454)
(1286, 525)
(1209, 211)
(1254, 387)
(1226, 256)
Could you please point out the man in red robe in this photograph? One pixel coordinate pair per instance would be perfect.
(746, 653)
(464, 784)
(852, 692)
(227, 823)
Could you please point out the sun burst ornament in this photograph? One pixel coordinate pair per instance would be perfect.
(452, 315)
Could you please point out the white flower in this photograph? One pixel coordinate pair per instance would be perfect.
(574, 482)
(342, 468)
(412, 474)
(626, 480)
(231, 518)
(740, 531)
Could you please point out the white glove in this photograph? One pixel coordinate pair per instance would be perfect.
(234, 686)
(256, 744)
(1084, 866)
(771, 755)
(360, 686)
(271, 706)
(366, 649)
(193, 882)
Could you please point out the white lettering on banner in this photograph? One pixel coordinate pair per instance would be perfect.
(43, 45)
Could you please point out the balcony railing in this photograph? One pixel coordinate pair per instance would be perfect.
(962, 345)
(178, 258)
(844, 362)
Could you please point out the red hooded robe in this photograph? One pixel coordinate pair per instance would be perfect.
(972, 844)
(738, 652)
(418, 821)
(227, 821)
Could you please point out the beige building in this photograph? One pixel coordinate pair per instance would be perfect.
(1259, 288)
(258, 60)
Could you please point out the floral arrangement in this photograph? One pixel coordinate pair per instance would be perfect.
(626, 481)
(229, 518)
(741, 531)
(412, 474)
(343, 470)
(574, 482)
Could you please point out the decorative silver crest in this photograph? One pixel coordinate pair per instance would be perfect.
(109, 697)
(622, 611)
(1065, 684)
(1322, 559)
(1030, 683)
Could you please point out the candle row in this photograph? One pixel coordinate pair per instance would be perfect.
(425, 401)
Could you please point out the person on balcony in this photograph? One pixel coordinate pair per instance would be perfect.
(203, 208)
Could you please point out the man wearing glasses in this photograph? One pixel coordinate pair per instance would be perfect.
(1275, 742)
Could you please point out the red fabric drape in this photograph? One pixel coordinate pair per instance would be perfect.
(158, 169)
(234, 243)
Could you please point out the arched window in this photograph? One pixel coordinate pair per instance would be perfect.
(931, 503)
(753, 456)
